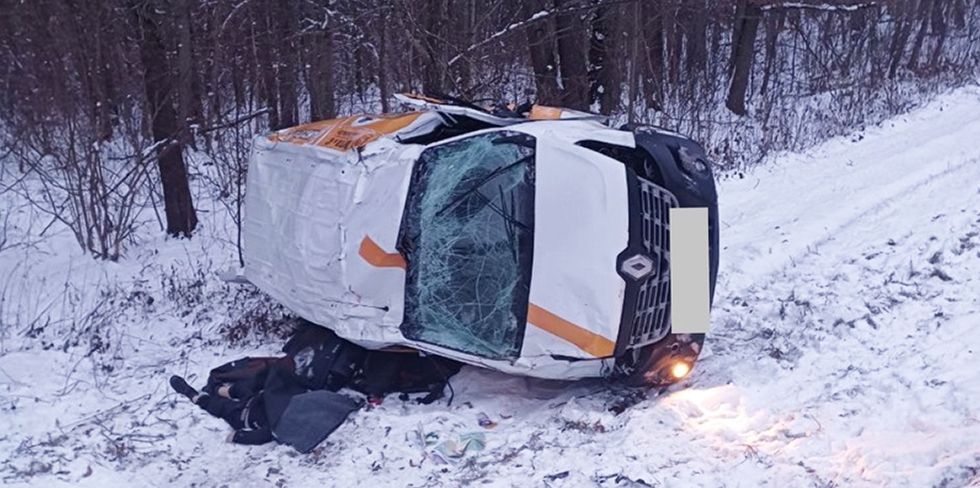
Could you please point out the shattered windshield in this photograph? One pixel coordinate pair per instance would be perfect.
(467, 237)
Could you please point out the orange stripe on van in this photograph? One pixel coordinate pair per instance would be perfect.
(371, 252)
(585, 340)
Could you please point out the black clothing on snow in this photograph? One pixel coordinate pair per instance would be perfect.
(322, 360)
(244, 413)
(246, 416)
(293, 399)
(181, 386)
(246, 376)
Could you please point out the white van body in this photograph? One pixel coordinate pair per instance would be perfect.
(321, 225)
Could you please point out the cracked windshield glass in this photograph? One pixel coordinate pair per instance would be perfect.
(468, 238)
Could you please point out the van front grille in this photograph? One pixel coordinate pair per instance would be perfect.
(651, 317)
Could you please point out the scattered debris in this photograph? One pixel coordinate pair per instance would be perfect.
(453, 450)
(485, 421)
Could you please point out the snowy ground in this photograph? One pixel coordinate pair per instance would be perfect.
(844, 352)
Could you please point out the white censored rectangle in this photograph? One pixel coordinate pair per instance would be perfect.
(689, 301)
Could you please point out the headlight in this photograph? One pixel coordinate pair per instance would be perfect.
(693, 164)
(680, 370)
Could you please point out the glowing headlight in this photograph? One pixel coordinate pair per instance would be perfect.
(680, 370)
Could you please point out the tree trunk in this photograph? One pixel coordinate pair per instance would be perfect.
(265, 54)
(653, 80)
(959, 12)
(744, 52)
(178, 203)
(541, 47)
(872, 17)
(432, 70)
(675, 47)
(383, 64)
(464, 33)
(634, 83)
(603, 78)
(920, 36)
(104, 86)
(740, 6)
(697, 50)
(189, 105)
(286, 74)
(571, 61)
(320, 82)
(903, 27)
(774, 24)
(939, 29)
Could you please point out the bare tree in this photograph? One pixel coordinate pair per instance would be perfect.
(209, 75)
(604, 79)
(178, 202)
(743, 54)
(541, 48)
(571, 52)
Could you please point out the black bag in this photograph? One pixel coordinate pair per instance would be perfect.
(246, 376)
(405, 372)
(299, 417)
(323, 361)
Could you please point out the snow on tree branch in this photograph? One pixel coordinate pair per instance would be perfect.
(510, 28)
(820, 6)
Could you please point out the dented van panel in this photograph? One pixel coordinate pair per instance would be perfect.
(491, 237)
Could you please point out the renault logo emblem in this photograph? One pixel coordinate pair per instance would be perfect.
(637, 267)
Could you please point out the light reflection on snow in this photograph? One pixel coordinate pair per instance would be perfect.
(719, 410)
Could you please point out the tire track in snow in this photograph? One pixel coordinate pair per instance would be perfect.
(809, 200)
(888, 202)
(864, 204)
(830, 377)
(884, 203)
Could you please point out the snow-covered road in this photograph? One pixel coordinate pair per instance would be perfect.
(844, 352)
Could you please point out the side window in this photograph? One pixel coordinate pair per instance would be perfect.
(468, 238)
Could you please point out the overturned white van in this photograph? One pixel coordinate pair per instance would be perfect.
(528, 240)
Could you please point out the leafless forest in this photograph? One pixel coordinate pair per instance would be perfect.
(120, 113)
